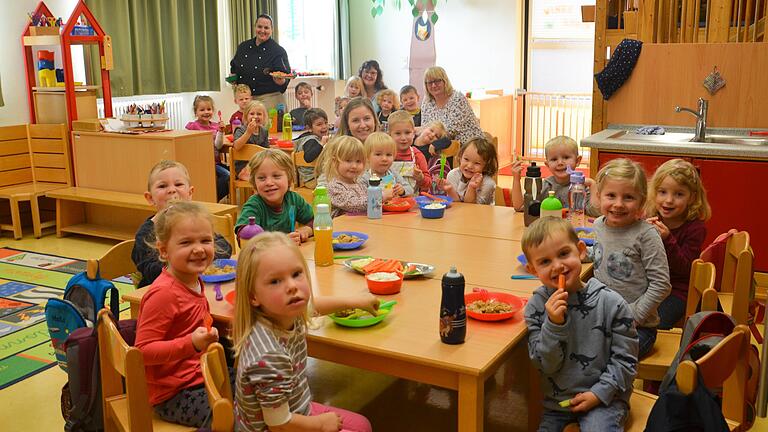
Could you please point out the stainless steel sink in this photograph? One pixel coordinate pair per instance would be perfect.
(679, 138)
(739, 140)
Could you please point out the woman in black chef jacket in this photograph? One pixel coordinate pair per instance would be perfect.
(256, 58)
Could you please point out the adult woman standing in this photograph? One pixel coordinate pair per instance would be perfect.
(255, 59)
(373, 79)
(449, 106)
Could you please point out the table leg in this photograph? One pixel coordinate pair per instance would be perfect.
(471, 402)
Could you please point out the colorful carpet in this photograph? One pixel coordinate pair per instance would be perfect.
(27, 281)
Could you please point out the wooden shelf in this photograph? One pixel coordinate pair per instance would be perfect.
(42, 40)
(99, 231)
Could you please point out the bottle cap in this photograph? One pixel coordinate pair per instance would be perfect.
(533, 170)
(281, 106)
(551, 202)
(251, 220)
(320, 191)
(577, 177)
(374, 180)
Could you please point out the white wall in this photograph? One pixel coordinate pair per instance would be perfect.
(560, 69)
(475, 41)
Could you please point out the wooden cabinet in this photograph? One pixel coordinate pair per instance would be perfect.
(733, 191)
(495, 114)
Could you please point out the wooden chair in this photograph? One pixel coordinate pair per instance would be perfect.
(125, 408)
(298, 161)
(34, 159)
(453, 149)
(735, 291)
(218, 387)
(115, 263)
(700, 291)
(725, 364)
(244, 154)
(503, 196)
(225, 227)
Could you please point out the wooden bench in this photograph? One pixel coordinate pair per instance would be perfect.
(109, 214)
(34, 159)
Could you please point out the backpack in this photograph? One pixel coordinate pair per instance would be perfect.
(434, 167)
(83, 298)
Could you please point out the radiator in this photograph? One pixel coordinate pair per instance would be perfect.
(173, 107)
(548, 115)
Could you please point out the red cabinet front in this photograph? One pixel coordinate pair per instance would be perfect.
(648, 162)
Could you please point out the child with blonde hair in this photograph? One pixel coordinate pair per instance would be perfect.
(380, 151)
(339, 105)
(472, 181)
(628, 253)
(174, 324)
(432, 140)
(677, 207)
(252, 131)
(409, 163)
(242, 97)
(273, 303)
(343, 161)
(168, 183)
(388, 103)
(354, 87)
(274, 206)
(203, 108)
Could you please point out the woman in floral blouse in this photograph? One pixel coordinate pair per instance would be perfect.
(449, 106)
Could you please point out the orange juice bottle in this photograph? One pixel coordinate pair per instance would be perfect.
(323, 227)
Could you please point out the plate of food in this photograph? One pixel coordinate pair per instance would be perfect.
(398, 205)
(279, 74)
(423, 200)
(348, 240)
(371, 265)
(587, 235)
(221, 270)
(361, 318)
(485, 305)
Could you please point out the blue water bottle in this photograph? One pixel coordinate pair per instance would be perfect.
(375, 197)
(453, 313)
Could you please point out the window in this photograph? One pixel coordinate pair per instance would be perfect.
(560, 19)
(306, 31)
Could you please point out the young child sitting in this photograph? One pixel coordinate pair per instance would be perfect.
(174, 324)
(273, 305)
(472, 181)
(312, 141)
(242, 97)
(409, 101)
(388, 103)
(339, 105)
(203, 108)
(343, 162)
(380, 150)
(677, 208)
(432, 140)
(168, 182)
(581, 337)
(409, 163)
(272, 174)
(354, 87)
(303, 92)
(628, 253)
(252, 131)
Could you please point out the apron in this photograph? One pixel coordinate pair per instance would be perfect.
(406, 169)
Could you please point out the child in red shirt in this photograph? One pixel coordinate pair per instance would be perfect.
(409, 162)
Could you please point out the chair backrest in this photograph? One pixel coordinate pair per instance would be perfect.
(243, 154)
(298, 161)
(225, 227)
(724, 365)
(503, 196)
(115, 263)
(453, 149)
(117, 360)
(49, 147)
(15, 162)
(701, 286)
(738, 274)
(218, 387)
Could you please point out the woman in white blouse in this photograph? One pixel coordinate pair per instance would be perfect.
(449, 106)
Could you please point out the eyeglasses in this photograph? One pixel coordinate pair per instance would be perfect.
(435, 82)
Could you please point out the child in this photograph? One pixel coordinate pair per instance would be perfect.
(409, 101)
(242, 97)
(388, 103)
(203, 108)
(340, 104)
(359, 119)
(380, 150)
(432, 140)
(174, 324)
(253, 131)
(168, 182)
(580, 336)
(354, 87)
(344, 161)
(628, 253)
(303, 92)
(409, 163)
(273, 303)
(272, 174)
(312, 141)
(678, 207)
(472, 181)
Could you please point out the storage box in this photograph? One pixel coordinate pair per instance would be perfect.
(51, 106)
(588, 13)
(87, 125)
(42, 31)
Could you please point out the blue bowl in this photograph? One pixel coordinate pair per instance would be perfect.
(422, 200)
(429, 213)
(220, 277)
(349, 246)
(581, 231)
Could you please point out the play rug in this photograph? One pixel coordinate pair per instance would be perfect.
(27, 281)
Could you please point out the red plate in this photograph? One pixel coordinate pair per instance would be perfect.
(480, 294)
(230, 297)
(399, 205)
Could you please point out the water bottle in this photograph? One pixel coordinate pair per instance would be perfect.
(272, 121)
(453, 313)
(320, 196)
(249, 231)
(323, 228)
(375, 197)
(531, 202)
(287, 127)
(577, 200)
(236, 124)
(280, 113)
(551, 206)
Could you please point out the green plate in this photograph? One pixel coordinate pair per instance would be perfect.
(366, 320)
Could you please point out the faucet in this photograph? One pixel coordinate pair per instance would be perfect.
(701, 119)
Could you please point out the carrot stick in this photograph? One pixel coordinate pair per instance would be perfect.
(561, 281)
(208, 321)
